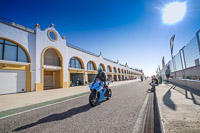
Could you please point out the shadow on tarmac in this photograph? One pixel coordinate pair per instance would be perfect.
(195, 94)
(57, 117)
(167, 101)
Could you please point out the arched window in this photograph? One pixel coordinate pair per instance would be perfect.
(108, 69)
(51, 57)
(114, 70)
(102, 67)
(90, 66)
(12, 52)
(119, 70)
(75, 63)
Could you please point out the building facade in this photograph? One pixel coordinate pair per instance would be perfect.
(35, 60)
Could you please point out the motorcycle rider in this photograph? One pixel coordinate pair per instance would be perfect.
(102, 77)
(141, 78)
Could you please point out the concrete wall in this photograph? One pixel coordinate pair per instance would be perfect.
(182, 75)
(189, 73)
(195, 84)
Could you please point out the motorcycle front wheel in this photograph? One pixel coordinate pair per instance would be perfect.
(109, 94)
(93, 99)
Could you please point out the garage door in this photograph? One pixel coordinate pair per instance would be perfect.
(48, 80)
(12, 81)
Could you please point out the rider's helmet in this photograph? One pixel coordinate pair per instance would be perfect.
(100, 70)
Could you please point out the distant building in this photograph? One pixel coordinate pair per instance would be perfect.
(35, 60)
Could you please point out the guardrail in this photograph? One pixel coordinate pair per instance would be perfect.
(14, 24)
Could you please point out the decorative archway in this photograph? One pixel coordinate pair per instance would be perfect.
(77, 61)
(115, 74)
(76, 75)
(119, 71)
(90, 65)
(91, 71)
(109, 73)
(114, 70)
(109, 69)
(55, 72)
(102, 66)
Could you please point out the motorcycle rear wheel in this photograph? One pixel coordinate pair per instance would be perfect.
(93, 99)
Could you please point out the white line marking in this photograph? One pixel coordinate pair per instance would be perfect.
(141, 117)
(160, 116)
(48, 105)
(42, 106)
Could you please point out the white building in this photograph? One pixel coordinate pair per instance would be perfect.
(34, 60)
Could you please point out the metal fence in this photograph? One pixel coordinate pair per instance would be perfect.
(109, 60)
(186, 63)
(191, 53)
(80, 49)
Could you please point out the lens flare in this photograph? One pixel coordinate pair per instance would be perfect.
(174, 12)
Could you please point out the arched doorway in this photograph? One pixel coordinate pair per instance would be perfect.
(76, 72)
(115, 73)
(109, 73)
(119, 74)
(52, 68)
(122, 74)
(15, 75)
(91, 71)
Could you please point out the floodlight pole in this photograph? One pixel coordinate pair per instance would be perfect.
(171, 47)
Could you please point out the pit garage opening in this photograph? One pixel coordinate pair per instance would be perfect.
(76, 72)
(119, 77)
(52, 69)
(115, 77)
(76, 79)
(51, 79)
(91, 77)
(123, 77)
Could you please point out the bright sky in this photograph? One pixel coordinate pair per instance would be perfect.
(126, 30)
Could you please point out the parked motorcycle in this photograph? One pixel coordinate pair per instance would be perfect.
(99, 93)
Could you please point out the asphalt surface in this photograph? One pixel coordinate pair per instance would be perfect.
(117, 115)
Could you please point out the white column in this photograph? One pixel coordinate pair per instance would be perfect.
(86, 77)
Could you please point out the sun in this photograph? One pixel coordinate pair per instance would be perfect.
(174, 12)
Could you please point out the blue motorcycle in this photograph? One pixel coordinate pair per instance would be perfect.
(99, 93)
